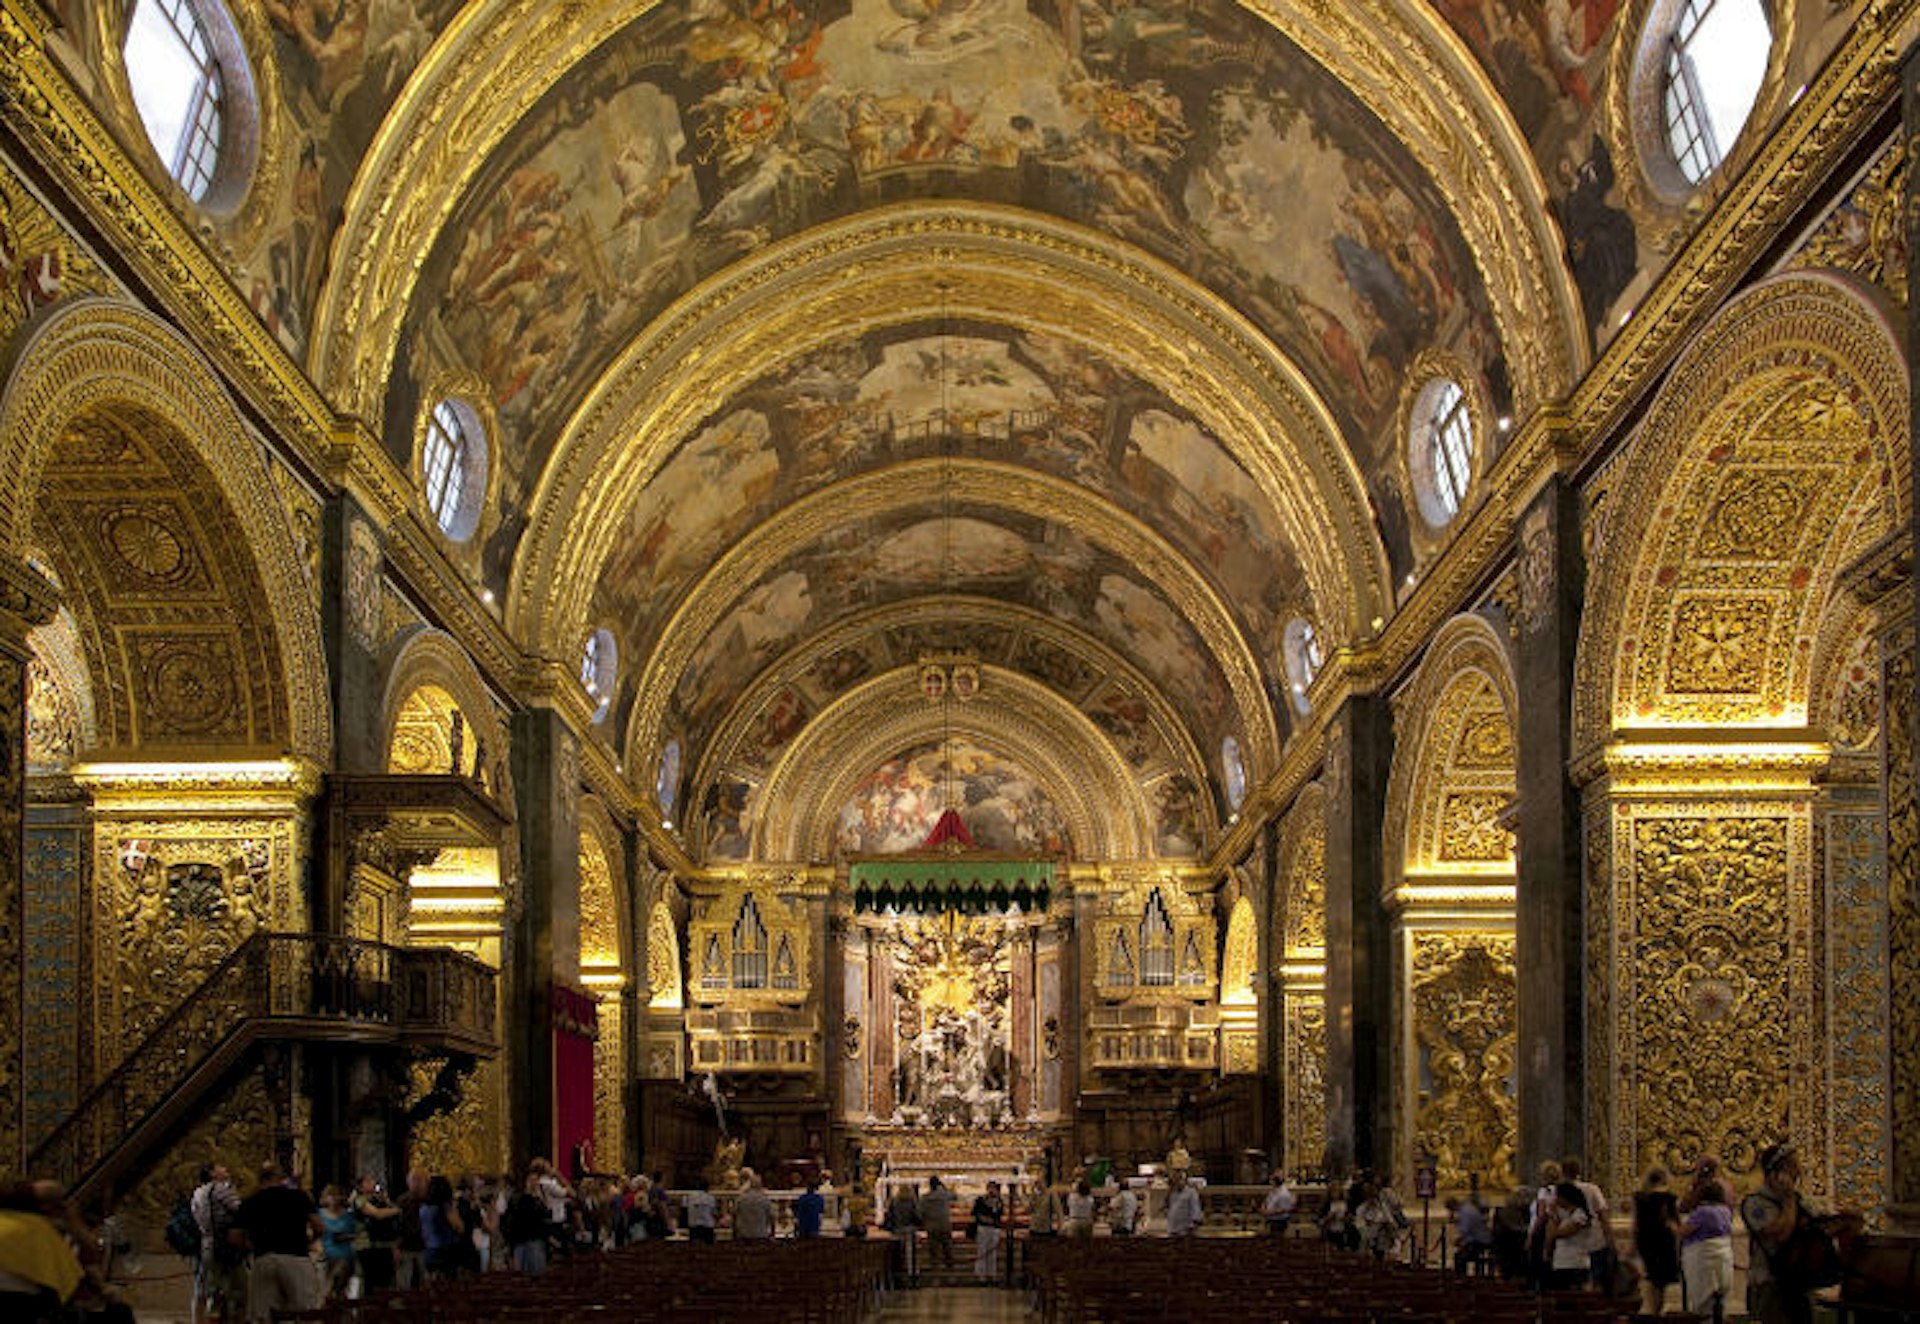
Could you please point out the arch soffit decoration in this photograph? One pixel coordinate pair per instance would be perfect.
(959, 612)
(484, 73)
(92, 353)
(909, 264)
(426, 656)
(1454, 762)
(1106, 812)
(1708, 487)
(981, 483)
(598, 832)
(1300, 876)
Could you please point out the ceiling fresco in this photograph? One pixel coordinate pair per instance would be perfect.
(910, 554)
(1004, 807)
(903, 395)
(703, 132)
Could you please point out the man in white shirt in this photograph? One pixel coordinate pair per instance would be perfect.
(1184, 1214)
(700, 1212)
(1597, 1240)
(1126, 1211)
(1277, 1209)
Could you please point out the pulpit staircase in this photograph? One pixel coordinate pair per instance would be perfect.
(273, 988)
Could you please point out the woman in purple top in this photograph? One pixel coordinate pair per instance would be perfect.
(1706, 1251)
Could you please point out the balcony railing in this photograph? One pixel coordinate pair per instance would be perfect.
(274, 985)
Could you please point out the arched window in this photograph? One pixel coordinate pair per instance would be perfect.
(178, 88)
(599, 669)
(1300, 654)
(1716, 60)
(1443, 430)
(1233, 769)
(453, 467)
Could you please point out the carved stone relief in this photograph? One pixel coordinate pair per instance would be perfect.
(1466, 1112)
(1305, 1085)
(1706, 1030)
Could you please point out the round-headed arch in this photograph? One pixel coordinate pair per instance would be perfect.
(98, 355)
(912, 264)
(1107, 816)
(1776, 452)
(968, 483)
(1454, 762)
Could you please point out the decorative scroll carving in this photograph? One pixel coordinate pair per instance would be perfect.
(600, 943)
(53, 725)
(1774, 452)
(610, 1087)
(1304, 874)
(1857, 977)
(1240, 961)
(1305, 1085)
(237, 1129)
(1473, 828)
(1903, 911)
(176, 898)
(1708, 1029)
(663, 960)
(1463, 1007)
(44, 264)
(1866, 234)
(455, 1106)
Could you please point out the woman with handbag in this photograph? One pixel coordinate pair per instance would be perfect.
(1791, 1253)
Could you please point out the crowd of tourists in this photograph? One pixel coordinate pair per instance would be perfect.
(279, 1248)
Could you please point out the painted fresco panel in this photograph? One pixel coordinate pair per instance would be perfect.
(1198, 135)
(908, 553)
(1003, 807)
(1024, 399)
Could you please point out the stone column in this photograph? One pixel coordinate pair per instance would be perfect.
(1359, 936)
(26, 600)
(546, 936)
(1548, 892)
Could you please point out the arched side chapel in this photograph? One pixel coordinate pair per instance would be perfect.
(938, 638)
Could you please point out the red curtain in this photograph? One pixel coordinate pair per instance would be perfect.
(575, 1025)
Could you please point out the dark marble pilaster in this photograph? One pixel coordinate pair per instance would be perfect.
(546, 934)
(1359, 936)
(1548, 901)
(352, 581)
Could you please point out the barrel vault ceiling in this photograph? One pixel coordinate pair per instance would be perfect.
(1071, 339)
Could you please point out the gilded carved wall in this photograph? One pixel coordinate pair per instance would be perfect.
(1712, 1003)
(1466, 1115)
(174, 896)
(1903, 918)
(1300, 957)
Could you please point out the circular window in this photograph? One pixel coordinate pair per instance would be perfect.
(453, 467)
(1716, 61)
(1234, 771)
(191, 85)
(1440, 449)
(666, 786)
(599, 667)
(1300, 652)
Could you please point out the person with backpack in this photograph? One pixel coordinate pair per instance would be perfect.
(218, 1268)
